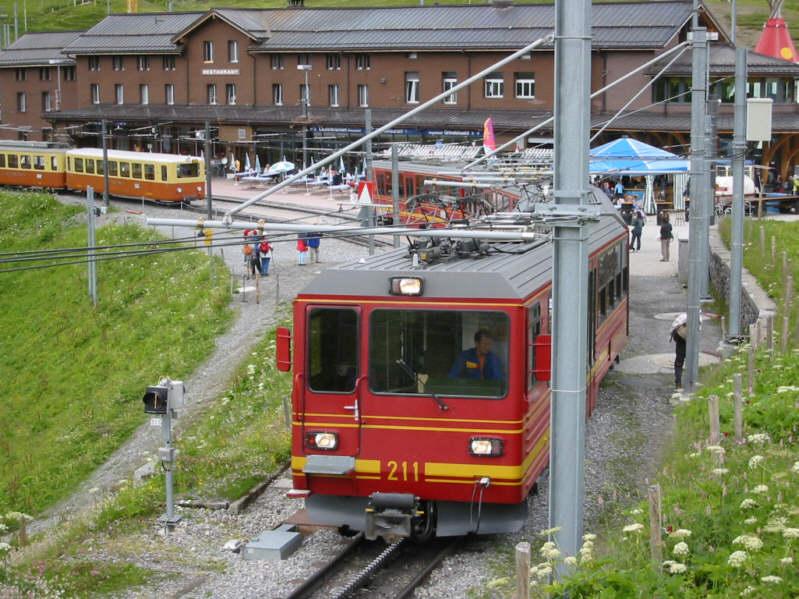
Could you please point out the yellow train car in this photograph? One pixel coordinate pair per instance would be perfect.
(32, 164)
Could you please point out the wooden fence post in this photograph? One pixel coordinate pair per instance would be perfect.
(655, 524)
(751, 365)
(723, 328)
(758, 333)
(774, 250)
(770, 332)
(763, 241)
(739, 409)
(523, 570)
(258, 286)
(713, 414)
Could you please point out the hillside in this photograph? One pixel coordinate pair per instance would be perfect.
(72, 376)
(50, 15)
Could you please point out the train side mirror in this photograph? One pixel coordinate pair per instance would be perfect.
(542, 348)
(155, 399)
(283, 349)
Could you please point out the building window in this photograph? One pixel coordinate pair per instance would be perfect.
(525, 85)
(363, 96)
(210, 93)
(448, 81)
(143, 63)
(333, 62)
(303, 59)
(277, 94)
(230, 94)
(94, 91)
(673, 89)
(208, 51)
(494, 86)
(169, 94)
(168, 63)
(44, 73)
(144, 93)
(232, 51)
(277, 62)
(305, 95)
(118, 63)
(22, 74)
(94, 63)
(119, 93)
(69, 73)
(412, 88)
(22, 102)
(46, 107)
(332, 95)
(362, 62)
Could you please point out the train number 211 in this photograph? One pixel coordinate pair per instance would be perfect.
(393, 467)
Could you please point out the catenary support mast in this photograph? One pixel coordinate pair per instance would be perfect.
(738, 157)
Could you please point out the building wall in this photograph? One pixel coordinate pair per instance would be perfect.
(33, 87)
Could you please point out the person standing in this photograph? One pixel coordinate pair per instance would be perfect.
(618, 190)
(314, 241)
(302, 250)
(265, 253)
(638, 228)
(679, 333)
(666, 236)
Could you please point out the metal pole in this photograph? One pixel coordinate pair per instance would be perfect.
(104, 134)
(25, 15)
(91, 242)
(733, 25)
(738, 157)
(708, 196)
(696, 223)
(208, 194)
(395, 189)
(596, 94)
(166, 433)
(16, 22)
(380, 130)
(370, 211)
(570, 275)
(305, 101)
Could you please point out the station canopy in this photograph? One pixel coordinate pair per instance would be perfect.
(627, 156)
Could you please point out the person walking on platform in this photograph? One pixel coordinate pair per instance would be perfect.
(638, 227)
(666, 236)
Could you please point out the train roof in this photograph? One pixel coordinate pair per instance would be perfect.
(510, 271)
(32, 146)
(136, 156)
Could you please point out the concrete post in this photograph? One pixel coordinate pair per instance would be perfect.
(104, 134)
(370, 211)
(207, 151)
(738, 157)
(570, 275)
(697, 224)
(92, 243)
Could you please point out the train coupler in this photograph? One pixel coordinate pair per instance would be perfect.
(390, 515)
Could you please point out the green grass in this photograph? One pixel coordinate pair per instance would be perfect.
(71, 376)
(60, 15)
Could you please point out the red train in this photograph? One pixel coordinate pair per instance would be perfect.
(421, 398)
(135, 175)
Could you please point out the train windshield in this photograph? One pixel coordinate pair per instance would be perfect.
(333, 350)
(187, 170)
(436, 352)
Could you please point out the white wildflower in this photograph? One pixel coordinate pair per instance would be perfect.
(636, 528)
(681, 549)
(737, 558)
(680, 533)
(5, 547)
(549, 531)
(748, 504)
(570, 561)
(776, 524)
(790, 533)
(694, 454)
(592, 537)
(715, 449)
(548, 546)
(750, 520)
(786, 561)
(636, 511)
(758, 438)
(677, 568)
(720, 471)
(543, 571)
(747, 591)
(795, 467)
(750, 542)
(755, 461)
(787, 388)
(760, 489)
(3, 528)
(771, 579)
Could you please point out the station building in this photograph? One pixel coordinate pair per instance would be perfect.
(158, 77)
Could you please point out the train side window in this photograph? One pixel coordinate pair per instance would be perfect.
(78, 165)
(332, 350)
(53, 163)
(25, 161)
(89, 166)
(100, 166)
(38, 163)
(136, 170)
(112, 168)
(185, 171)
(13, 161)
(533, 331)
(149, 172)
(124, 169)
(2, 160)
(163, 172)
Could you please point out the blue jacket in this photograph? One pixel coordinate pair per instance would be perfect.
(313, 240)
(467, 366)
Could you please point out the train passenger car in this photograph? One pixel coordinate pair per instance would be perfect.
(137, 175)
(32, 164)
(420, 397)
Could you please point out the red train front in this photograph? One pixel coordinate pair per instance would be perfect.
(421, 401)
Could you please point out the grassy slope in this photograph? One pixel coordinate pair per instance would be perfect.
(71, 377)
(45, 15)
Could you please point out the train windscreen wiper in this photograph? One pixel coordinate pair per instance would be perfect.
(415, 377)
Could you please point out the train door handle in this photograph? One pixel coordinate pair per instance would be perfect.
(355, 411)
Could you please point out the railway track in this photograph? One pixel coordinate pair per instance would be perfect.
(376, 569)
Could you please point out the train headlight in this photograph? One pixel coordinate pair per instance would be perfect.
(482, 446)
(325, 441)
(405, 286)
(180, 190)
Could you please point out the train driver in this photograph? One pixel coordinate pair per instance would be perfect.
(478, 362)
